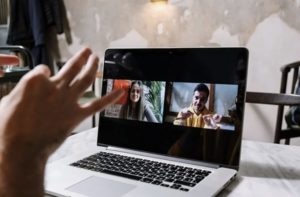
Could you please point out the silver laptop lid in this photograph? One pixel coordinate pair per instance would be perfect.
(181, 102)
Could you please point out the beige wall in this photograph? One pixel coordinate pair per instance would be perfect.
(270, 29)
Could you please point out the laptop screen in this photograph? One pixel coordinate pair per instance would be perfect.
(187, 102)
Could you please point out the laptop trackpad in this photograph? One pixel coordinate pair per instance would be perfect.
(97, 186)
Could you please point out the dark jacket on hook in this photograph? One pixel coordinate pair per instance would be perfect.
(29, 20)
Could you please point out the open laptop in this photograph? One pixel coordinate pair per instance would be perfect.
(150, 154)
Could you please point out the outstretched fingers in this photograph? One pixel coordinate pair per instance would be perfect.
(86, 76)
(71, 69)
(99, 104)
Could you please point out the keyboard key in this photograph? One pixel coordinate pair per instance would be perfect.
(170, 180)
(156, 182)
(175, 187)
(165, 185)
(147, 180)
(185, 183)
(184, 189)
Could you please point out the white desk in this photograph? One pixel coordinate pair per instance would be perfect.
(266, 169)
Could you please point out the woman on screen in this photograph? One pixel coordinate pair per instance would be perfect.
(136, 107)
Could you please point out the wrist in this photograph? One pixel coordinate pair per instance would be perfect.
(20, 171)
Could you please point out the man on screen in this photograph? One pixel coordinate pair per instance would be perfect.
(197, 115)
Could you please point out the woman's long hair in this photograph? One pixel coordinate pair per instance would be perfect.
(127, 111)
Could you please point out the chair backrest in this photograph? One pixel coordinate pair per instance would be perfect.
(22, 51)
(289, 71)
(13, 75)
(286, 98)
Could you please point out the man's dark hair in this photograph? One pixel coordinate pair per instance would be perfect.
(202, 88)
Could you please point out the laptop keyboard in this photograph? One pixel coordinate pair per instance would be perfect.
(152, 172)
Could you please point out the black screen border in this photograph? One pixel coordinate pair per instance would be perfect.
(211, 57)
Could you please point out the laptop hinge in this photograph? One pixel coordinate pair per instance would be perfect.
(164, 157)
(102, 145)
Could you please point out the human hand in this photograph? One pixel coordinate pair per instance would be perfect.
(217, 117)
(38, 115)
(184, 114)
(210, 121)
(8, 60)
(40, 111)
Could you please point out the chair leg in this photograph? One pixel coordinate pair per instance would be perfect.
(94, 121)
(287, 141)
(277, 140)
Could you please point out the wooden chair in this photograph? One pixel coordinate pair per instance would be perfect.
(285, 98)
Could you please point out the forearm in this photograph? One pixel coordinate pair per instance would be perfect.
(21, 175)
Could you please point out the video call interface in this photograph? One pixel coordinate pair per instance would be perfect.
(185, 103)
(200, 105)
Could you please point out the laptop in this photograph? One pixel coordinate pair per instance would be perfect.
(152, 149)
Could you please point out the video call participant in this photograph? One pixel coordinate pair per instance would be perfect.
(136, 108)
(197, 115)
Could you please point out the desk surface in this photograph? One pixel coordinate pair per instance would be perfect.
(265, 170)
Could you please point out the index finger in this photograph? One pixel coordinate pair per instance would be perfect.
(8, 60)
(100, 104)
